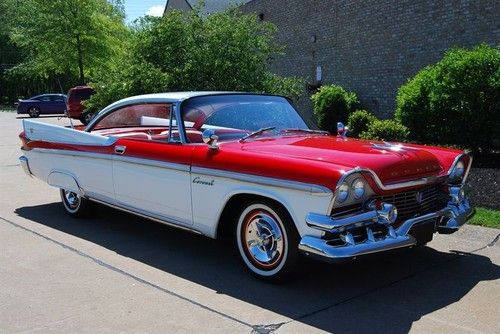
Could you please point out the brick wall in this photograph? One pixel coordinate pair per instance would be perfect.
(370, 46)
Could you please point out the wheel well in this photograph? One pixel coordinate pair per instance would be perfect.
(227, 220)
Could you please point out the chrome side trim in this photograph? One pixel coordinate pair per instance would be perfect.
(72, 153)
(132, 160)
(152, 163)
(153, 217)
(266, 181)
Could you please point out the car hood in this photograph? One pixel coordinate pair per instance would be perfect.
(391, 162)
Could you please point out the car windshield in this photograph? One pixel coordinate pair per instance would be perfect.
(242, 114)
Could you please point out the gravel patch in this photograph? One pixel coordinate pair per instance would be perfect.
(483, 187)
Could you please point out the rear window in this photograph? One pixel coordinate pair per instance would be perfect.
(80, 94)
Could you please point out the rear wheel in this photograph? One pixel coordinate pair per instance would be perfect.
(74, 204)
(34, 112)
(267, 240)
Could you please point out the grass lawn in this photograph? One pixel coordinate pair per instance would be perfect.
(486, 217)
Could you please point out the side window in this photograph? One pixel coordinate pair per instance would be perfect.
(45, 98)
(57, 98)
(149, 121)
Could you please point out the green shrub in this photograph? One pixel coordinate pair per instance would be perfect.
(359, 122)
(388, 129)
(332, 104)
(456, 101)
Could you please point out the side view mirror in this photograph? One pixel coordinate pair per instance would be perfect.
(210, 138)
(342, 130)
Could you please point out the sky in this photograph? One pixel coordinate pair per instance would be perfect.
(137, 8)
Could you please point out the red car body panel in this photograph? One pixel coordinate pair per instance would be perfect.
(315, 159)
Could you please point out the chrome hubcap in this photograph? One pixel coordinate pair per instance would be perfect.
(72, 199)
(263, 239)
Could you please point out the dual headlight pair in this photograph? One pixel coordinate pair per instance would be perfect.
(354, 189)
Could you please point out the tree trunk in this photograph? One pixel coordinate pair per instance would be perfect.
(80, 59)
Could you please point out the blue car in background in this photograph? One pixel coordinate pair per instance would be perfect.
(42, 104)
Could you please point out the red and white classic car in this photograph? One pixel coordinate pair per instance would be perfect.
(248, 166)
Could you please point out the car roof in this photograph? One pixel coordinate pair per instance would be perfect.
(177, 96)
(171, 97)
(48, 94)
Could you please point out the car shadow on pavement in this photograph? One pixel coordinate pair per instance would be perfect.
(382, 293)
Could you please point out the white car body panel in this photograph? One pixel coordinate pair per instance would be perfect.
(91, 172)
(209, 201)
(160, 190)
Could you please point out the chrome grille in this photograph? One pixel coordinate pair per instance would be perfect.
(414, 203)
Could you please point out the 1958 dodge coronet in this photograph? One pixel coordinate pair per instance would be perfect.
(247, 166)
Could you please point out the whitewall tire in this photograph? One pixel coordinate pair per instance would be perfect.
(74, 204)
(267, 240)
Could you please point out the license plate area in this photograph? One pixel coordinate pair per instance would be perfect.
(423, 231)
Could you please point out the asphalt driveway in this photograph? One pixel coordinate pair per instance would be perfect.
(115, 272)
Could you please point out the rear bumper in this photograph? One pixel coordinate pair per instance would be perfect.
(447, 220)
(23, 161)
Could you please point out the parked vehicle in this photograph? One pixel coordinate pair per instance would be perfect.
(76, 109)
(44, 104)
(247, 166)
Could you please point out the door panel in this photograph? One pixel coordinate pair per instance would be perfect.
(154, 177)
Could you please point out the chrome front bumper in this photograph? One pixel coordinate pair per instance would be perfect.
(23, 161)
(447, 220)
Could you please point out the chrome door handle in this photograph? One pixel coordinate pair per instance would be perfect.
(120, 149)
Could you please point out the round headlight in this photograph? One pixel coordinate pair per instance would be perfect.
(342, 193)
(358, 188)
(459, 169)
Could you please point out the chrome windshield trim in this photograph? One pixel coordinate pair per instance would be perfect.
(263, 180)
(114, 157)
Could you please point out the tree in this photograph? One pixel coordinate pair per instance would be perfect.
(66, 36)
(223, 51)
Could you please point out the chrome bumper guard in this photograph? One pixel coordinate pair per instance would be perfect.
(24, 163)
(448, 220)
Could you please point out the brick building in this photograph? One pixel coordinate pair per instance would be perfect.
(370, 46)
(211, 6)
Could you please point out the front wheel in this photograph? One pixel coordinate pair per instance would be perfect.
(74, 204)
(267, 241)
